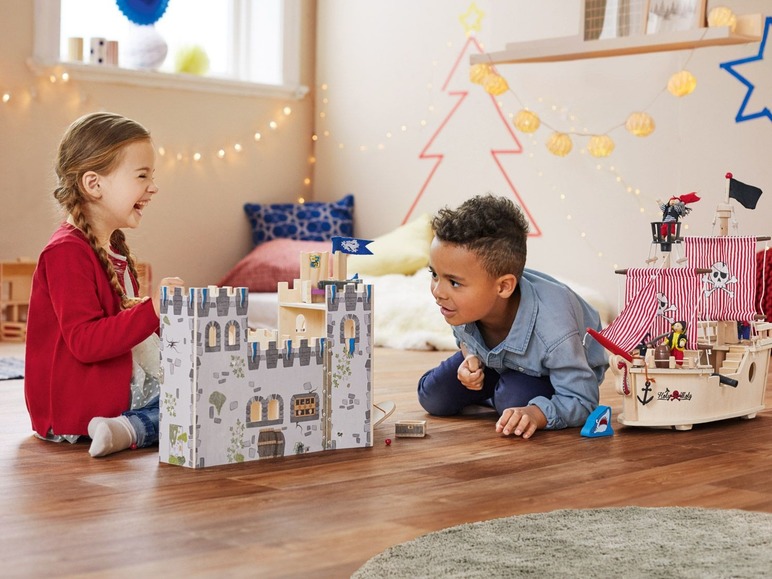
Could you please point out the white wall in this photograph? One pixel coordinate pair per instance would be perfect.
(382, 66)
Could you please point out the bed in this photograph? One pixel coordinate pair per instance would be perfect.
(405, 314)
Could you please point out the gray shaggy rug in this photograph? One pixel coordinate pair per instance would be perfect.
(671, 542)
(11, 368)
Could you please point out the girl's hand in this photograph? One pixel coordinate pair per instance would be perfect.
(521, 421)
(168, 281)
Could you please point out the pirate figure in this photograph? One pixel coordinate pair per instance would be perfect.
(674, 210)
(676, 341)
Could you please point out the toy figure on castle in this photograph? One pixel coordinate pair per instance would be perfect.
(674, 210)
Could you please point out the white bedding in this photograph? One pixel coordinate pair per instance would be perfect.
(406, 316)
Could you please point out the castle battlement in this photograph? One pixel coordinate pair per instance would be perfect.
(226, 301)
(286, 354)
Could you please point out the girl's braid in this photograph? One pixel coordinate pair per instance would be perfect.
(82, 223)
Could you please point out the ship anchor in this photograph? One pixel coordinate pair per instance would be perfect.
(646, 398)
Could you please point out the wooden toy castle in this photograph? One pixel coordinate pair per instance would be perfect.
(230, 394)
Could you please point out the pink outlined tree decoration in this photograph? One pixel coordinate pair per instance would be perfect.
(472, 154)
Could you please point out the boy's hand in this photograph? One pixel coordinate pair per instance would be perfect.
(470, 373)
(170, 281)
(521, 421)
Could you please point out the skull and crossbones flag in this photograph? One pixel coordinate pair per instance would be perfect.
(746, 195)
(730, 286)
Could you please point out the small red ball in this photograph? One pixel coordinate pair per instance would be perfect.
(388, 441)
(133, 446)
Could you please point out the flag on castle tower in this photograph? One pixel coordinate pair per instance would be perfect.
(351, 245)
(746, 195)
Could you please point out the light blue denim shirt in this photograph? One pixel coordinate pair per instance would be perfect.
(548, 338)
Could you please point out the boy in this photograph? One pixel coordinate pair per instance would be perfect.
(520, 331)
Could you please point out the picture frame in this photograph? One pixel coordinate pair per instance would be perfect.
(675, 15)
(604, 19)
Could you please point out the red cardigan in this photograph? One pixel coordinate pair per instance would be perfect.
(79, 341)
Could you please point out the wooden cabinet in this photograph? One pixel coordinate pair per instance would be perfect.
(15, 285)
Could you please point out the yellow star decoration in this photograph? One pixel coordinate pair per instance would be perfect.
(471, 20)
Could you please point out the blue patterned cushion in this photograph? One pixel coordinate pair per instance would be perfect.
(310, 221)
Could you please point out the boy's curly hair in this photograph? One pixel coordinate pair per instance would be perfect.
(491, 227)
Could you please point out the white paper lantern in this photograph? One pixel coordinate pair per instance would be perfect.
(640, 124)
(145, 48)
(527, 121)
(722, 16)
(600, 146)
(559, 144)
(682, 83)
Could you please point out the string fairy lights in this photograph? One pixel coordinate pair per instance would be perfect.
(58, 78)
(600, 146)
(527, 122)
(559, 143)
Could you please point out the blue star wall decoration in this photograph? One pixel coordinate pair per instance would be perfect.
(742, 114)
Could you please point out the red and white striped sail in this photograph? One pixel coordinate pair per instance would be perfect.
(729, 289)
(655, 298)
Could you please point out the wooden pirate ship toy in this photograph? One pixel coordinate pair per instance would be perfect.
(689, 346)
(230, 394)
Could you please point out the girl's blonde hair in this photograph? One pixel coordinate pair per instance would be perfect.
(95, 142)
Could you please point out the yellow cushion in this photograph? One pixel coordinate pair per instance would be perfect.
(404, 250)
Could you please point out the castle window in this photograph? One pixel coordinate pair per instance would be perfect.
(305, 407)
(255, 411)
(349, 329)
(274, 409)
(232, 336)
(212, 337)
(262, 412)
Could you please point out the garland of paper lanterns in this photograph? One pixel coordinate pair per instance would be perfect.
(638, 123)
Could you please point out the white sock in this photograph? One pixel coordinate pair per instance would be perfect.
(93, 423)
(109, 435)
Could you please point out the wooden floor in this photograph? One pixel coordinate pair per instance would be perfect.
(323, 515)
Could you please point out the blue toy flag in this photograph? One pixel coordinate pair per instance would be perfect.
(598, 423)
(746, 195)
(351, 245)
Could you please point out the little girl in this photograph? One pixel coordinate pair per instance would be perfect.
(84, 320)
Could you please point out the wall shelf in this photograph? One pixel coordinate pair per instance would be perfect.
(749, 29)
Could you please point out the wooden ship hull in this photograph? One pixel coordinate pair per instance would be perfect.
(715, 382)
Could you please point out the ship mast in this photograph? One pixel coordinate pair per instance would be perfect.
(724, 211)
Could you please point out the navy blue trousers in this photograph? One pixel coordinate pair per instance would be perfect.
(442, 394)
